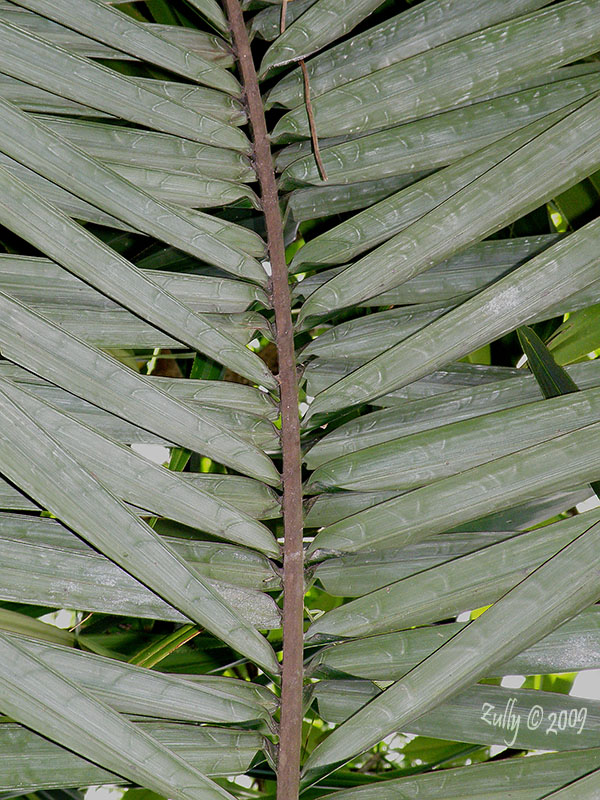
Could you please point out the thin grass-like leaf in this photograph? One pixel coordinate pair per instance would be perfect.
(112, 27)
(45, 349)
(138, 481)
(481, 63)
(75, 497)
(54, 706)
(413, 31)
(34, 60)
(523, 616)
(567, 267)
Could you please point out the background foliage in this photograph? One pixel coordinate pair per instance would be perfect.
(460, 142)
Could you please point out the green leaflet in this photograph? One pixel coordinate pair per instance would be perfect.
(395, 39)
(39, 281)
(481, 63)
(421, 458)
(513, 175)
(547, 279)
(86, 256)
(585, 788)
(45, 349)
(125, 145)
(400, 211)
(358, 574)
(213, 751)
(469, 717)
(145, 485)
(553, 380)
(461, 274)
(49, 154)
(563, 462)
(438, 410)
(208, 46)
(43, 564)
(32, 59)
(267, 23)
(43, 700)
(225, 563)
(360, 340)
(135, 690)
(68, 490)
(573, 646)
(469, 581)
(576, 337)
(528, 778)
(436, 141)
(211, 11)
(114, 28)
(560, 588)
(321, 201)
(322, 23)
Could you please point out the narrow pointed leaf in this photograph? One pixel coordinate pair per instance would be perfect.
(125, 145)
(29, 278)
(431, 412)
(398, 212)
(360, 573)
(422, 458)
(32, 59)
(324, 22)
(484, 62)
(219, 562)
(134, 690)
(96, 19)
(33, 763)
(43, 572)
(267, 23)
(576, 337)
(208, 46)
(566, 267)
(573, 646)
(487, 715)
(43, 700)
(49, 154)
(435, 141)
(404, 35)
(566, 461)
(126, 540)
(528, 778)
(211, 11)
(45, 349)
(513, 187)
(86, 256)
(470, 581)
(523, 616)
(553, 380)
(136, 480)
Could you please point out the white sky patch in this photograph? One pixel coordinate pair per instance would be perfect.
(587, 685)
(153, 452)
(587, 505)
(106, 792)
(512, 681)
(63, 618)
